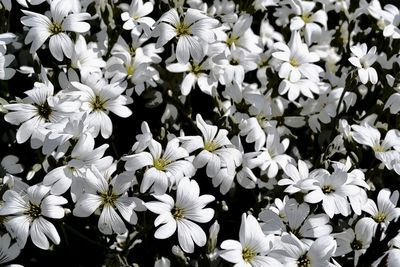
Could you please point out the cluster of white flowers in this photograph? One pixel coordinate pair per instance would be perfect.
(167, 128)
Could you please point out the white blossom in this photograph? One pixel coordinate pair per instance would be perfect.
(61, 21)
(27, 215)
(182, 214)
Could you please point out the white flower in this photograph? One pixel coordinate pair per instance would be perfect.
(272, 157)
(312, 22)
(65, 130)
(82, 156)
(61, 21)
(134, 68)
(253, 132)
(263, 4)
(324, 108)
(245, 175)
(135, 18)
(194, 28)
(27, 214)
(333, 190)
(163, 262)
(224, 180)
(15, 183)
(235, 64)
(241, 100)
(98, 97)
(6, 73)
(165, 168)
(297, 60)
(181, 214)
(197, 73)
(337, 6)
(216, 149)
(144, 139)
(344, 129)
(241, 36)
(356, 178)
(268, 34)
(252, 247)
(367, 135)
(393, 257)
(24, 3)
(85, 58)
(363, 60)
(6, 4)
(393, 103)
(137, 48)
(294, 218)
(296, 253)
(8, 252)
(109, 196)
(7, 38)
(391, 16)
(38, 108)
(9, 164)
(356, 240)
(383, 213)
(298, 178)
(304, 86)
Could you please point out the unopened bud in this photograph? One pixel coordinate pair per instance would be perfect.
(213, 237)
(163, 262)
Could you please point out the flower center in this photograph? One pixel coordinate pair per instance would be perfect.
(73, 170)
(44, 111)
(130, 70)
(109, 197)
(280, 120)
(160, 164)
(132, 51)
(195, 69)
(177, 213)
(55, 28)
(210, 146)
(182, 29)
(303, 261)
(248, 254)
(98, 104)
(294, 62)
(356, 244)
(269, 154)
(262, 120)
(242, 106)
(327, 189)
(234, 62)
(379, 148)
(33, 211)
(231, 40)
(306, 17)
(296, 232)
(263, 63)
(380, 217)
(364, 63)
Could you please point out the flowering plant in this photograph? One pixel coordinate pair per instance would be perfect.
(212, 133)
